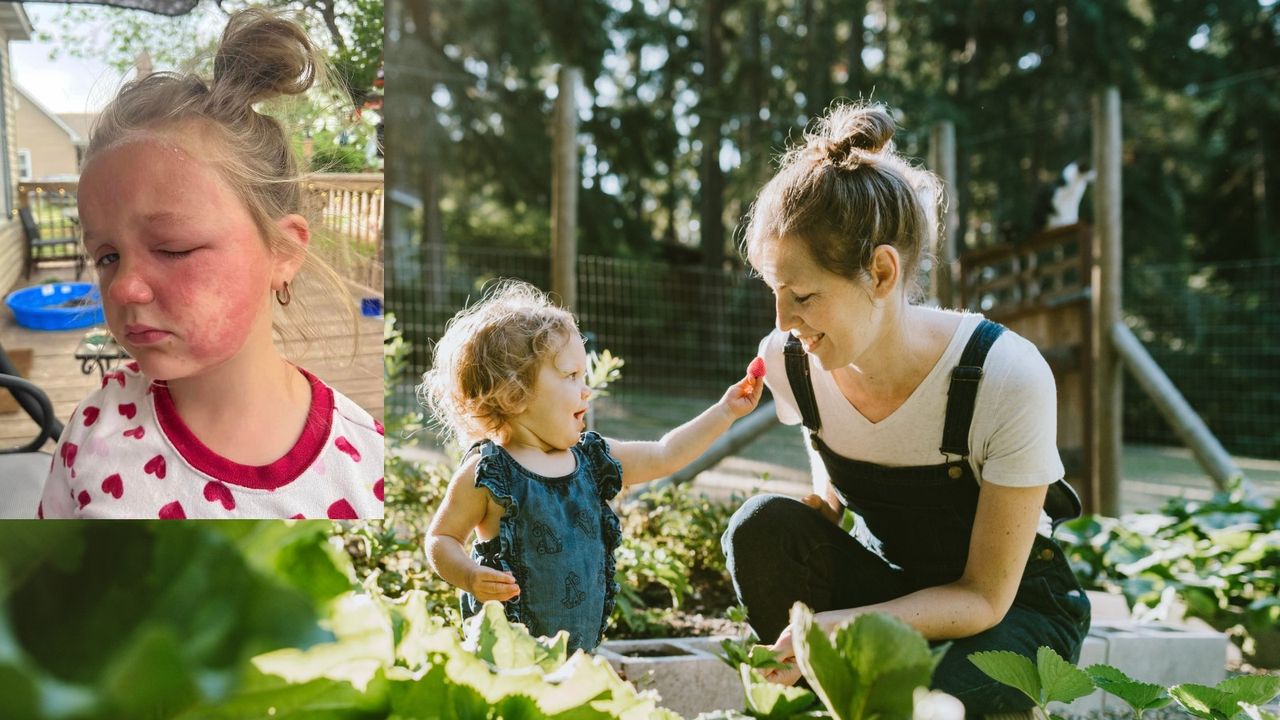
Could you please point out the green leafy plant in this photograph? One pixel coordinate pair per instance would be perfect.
(1140, 696)
(1052, 679)
(396, 660)
(1224, 701)
(868, 668)
(772, 701)
(1048, 679)
(1221, 558)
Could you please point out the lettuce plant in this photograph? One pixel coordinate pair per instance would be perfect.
(868, 668)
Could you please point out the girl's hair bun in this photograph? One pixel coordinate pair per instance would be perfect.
(852, 135)
(262, 56)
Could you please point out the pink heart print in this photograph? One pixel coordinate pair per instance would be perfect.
(172, 511)
(217, 492)
(113, 486)
(90, 415)
(134, 367)
(346, 447)
(299, 516)
(83, 498)
(118, 376)
(68, 453)
(128, 410)
(377, 490)
(342, 510)
(155, 466)
(135, 433)
(378, 426)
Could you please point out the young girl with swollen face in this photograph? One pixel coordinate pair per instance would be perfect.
(510, 372)
(190, 202)
(937, 427)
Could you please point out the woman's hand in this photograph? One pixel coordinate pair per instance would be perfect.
(742, 397)
(790, 674)
(489, 584)
(822, 506)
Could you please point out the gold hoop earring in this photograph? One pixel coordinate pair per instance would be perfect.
(284, 297)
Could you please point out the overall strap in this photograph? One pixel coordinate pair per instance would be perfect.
(797, 365)
(963, 392)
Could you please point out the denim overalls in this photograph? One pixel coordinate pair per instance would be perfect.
(557, 537)
(780, 551)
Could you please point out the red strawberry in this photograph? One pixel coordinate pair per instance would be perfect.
(90, 415)
(756, 368)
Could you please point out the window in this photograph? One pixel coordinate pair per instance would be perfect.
(24, 164)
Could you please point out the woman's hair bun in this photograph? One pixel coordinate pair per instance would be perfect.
(848, 135)
(262, 55)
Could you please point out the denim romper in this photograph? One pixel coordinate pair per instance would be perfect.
(922, 518)
(557, 537)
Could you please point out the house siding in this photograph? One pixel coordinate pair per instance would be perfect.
(12, 242)
(52, 150)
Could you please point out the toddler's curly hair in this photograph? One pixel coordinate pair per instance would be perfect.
(484, 366)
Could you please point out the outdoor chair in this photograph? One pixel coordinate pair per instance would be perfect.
(48, 249)
(23, 469)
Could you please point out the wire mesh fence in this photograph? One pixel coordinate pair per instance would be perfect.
(688, 332)
(682, 331)
(1214, 330)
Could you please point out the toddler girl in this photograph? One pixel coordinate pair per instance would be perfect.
(190, 204)
(511, 373)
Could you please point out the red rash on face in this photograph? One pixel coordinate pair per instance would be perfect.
(142, 204)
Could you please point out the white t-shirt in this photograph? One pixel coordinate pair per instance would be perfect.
(1012, 438)
(127, 454)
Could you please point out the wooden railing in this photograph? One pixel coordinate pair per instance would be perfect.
(1010, 280)
(347, 205)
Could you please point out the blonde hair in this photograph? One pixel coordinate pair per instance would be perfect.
(261, 56)
(484, 367)
(845, 191)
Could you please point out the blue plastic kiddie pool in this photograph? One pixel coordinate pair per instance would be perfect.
(57, 306)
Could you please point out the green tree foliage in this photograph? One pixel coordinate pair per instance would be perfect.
(350, 31)
(1015, 76)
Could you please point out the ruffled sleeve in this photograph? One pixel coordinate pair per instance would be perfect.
(492, 475)
(606, 471)
(501, 552)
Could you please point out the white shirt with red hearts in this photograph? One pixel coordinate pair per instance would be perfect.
(127, 454)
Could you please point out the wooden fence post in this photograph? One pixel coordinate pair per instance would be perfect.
(564, 191)
(1108, 427)
(942, 160)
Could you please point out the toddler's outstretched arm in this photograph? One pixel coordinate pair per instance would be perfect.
(464, 509)
(645, 461)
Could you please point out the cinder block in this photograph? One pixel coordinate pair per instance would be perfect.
(686, 672)
(1092, 652)
(1165, 654)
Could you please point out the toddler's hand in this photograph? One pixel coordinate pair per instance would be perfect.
(489, 584)
(743, 397)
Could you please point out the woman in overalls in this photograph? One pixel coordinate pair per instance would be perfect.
(937, 428)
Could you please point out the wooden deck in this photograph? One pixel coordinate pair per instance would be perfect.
(58, 373)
